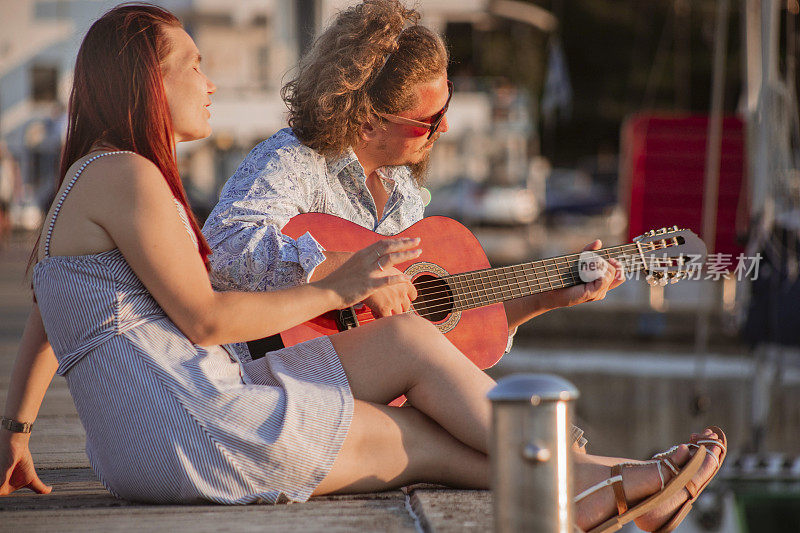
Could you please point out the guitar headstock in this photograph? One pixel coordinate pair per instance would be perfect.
(669, 254)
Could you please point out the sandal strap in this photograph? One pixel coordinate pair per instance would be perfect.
(598, 486)
(619, 491)
(669, 464)
(708, 451)
(666, 453)
(691, 488)
(715, 442)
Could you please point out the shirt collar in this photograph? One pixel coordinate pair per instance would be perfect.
(348, 160)
(395, 174)
(338, 163)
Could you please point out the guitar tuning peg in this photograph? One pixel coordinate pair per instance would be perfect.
(662, 282)
(675, 228)
(674, 278)
(651, 280)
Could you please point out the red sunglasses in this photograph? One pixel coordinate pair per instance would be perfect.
(423, 127)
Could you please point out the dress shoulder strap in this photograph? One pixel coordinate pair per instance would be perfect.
(66, 191)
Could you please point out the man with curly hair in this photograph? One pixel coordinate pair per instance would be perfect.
(366, 106)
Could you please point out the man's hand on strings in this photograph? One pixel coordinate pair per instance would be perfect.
(610, 274)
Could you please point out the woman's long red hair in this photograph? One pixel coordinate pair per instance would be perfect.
(118, 96)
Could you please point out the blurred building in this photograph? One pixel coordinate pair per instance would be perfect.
(249, 48)
(245, 49)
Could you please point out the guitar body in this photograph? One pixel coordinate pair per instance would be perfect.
(461, 294)
(447, 248)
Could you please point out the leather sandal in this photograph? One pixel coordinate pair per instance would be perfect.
(693, 490)
(683, 476)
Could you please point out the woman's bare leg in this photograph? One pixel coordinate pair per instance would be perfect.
(444, 437)
(406, 355)
(389, 447)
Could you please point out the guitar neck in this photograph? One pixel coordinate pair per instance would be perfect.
(494, 285)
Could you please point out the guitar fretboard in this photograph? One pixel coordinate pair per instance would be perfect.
(494, 285)
(471, 290)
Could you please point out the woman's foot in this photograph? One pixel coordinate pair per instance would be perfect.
(639, 481)
(656, 519)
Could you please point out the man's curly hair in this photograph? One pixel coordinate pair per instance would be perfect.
(366, 61)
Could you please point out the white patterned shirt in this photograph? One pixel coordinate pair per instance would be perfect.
(279, 179)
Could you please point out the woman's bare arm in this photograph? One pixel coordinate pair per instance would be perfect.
(32, 373)
(135, 207)
(33, 370)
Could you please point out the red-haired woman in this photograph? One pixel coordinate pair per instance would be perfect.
(134, 326)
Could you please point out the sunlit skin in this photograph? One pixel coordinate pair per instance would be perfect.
(443, 438)
(385, 143)
(188, 90)
(374, 380)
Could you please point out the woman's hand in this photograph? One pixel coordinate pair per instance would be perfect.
(391, 300)
(369, 271)
(16, 465)
(33, 370)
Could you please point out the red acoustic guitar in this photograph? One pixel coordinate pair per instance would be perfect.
(461, 294)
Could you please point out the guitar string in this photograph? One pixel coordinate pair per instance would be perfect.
(523, 286)
(426, 312)
(520, 277)
(515, 271)
(521, 282)
(434, 305)
(561, 261)
(558, 260)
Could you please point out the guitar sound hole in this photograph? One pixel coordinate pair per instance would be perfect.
(434, 298)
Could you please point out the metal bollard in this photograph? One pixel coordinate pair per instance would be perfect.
(531, 453)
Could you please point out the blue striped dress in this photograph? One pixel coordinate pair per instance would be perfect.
(168, 421)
